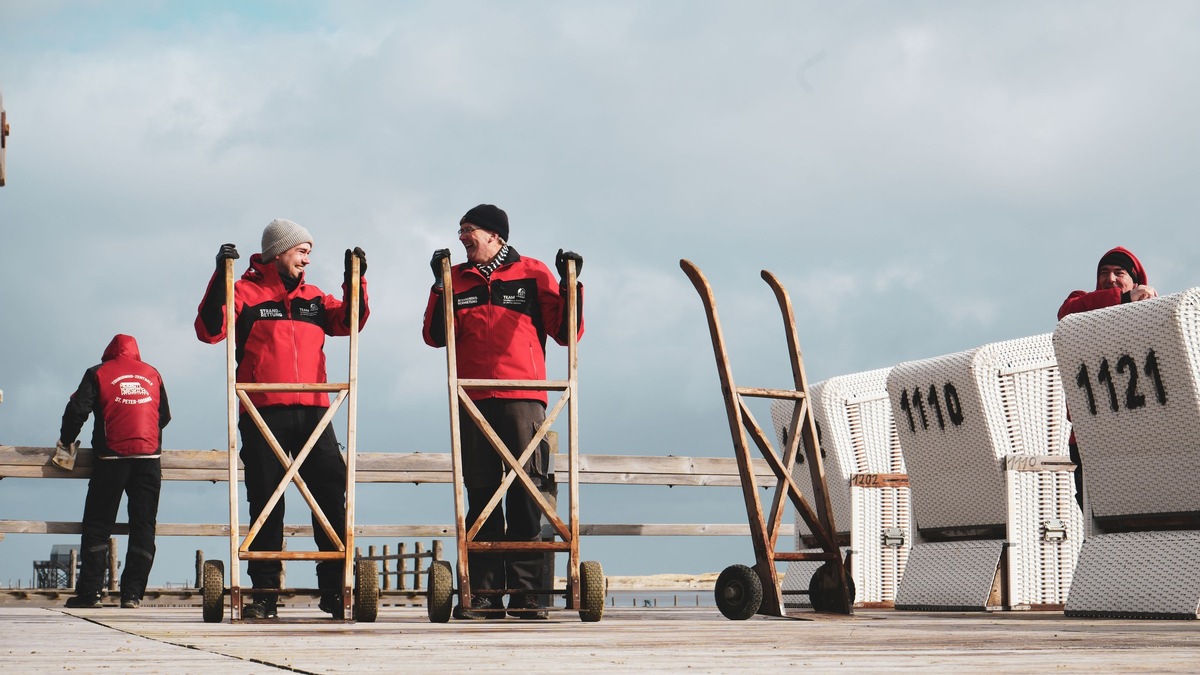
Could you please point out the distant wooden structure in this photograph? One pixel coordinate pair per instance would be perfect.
(3, 140)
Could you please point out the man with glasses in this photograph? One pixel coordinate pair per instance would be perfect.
(505, 305)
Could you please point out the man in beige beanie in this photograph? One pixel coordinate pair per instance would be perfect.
(282, 323)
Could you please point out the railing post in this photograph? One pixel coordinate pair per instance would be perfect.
(419, 549)
(437, 549)
(199, 568)
(112, 563)
(402, 567)
(387, 576)
(72, 569)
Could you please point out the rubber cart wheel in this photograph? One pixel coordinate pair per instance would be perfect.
(212, 589)
(823, 590)
(366, 591)
(441, 591)
(591, 591)
(739, 592)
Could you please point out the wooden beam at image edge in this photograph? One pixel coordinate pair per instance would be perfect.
(393, 531)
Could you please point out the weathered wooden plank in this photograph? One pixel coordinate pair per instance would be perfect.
(292, 386)
(530, 385)
(212, 465)
(170, 639)
(390, 531)
(879, 480)
(1033, 463)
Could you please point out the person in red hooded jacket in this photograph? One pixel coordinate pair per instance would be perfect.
(1120, 278)
(505, 305)
(281, 324)
(127, 398)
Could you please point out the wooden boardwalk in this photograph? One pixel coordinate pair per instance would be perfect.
(175, 640)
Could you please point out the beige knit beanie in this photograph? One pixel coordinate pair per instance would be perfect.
(280, 235)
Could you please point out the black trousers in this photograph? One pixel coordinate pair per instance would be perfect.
(1073, 452)
(323, 471)
(141, 480)
(515, 422)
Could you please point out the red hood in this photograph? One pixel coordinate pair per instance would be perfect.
(124, 346)
(1137, 264)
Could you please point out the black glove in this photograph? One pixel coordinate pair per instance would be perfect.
(435, 263)
(227, 252)
(362, 262)
(560, 262)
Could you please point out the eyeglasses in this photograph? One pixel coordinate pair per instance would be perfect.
(467, 229)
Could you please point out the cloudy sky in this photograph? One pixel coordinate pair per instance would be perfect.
(923, 177)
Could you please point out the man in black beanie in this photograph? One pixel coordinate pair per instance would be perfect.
(505, 305)
(1120, 278)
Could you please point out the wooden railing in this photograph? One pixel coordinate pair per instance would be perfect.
(212, 465)
(401, 558)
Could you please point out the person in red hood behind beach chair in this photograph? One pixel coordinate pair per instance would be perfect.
(281, 325)
(505, 305)
(1120, 278)
(129, 402)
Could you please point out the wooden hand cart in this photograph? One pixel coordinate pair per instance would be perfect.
(741, 591)
(360, 579)
(585, 580)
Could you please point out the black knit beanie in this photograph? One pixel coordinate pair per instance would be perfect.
(488, 217)
(1120, 260)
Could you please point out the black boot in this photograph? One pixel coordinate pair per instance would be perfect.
(331, 601)
(84, 601)
(264, 607)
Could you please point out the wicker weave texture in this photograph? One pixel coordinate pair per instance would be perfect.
(1022, 394)
(857, 435)
(952, 466)
(876, 565)
(1042, 559)
(950, 575)
(837, 472)
(1139, 428)
(1139, 575)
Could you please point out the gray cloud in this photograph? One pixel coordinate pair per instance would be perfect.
(953, 173)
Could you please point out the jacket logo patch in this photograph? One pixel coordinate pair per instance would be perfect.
(309, 310)
(270, 313)
(517, 298)
(466, 301)
(132, 391)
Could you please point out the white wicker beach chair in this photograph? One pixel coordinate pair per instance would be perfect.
(984, 436)
(1131, 383)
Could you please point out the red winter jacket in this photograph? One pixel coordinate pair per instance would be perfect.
(128, 399)
(1083, 301)
(501, 323)
(280, 333)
